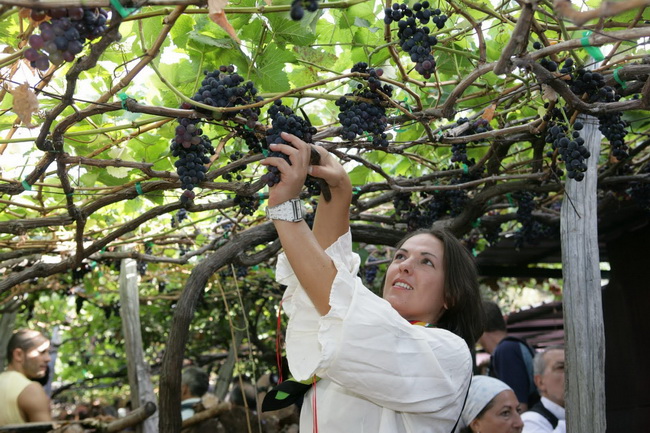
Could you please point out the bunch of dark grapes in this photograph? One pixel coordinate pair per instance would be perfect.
(142, 268)
(313, 187)
(491, 233)
(414, 36)
(235, 156)
(191, 148)
(370, 270)
(224, 88)
(611, 125)
(248, 204)
(640, 191)
(78, 273)
(283, 119)
(250, 138)
(407, 211)
(309, 218)
(570, 147)
(220, 88)
(62, 37)
(358, 117)
(298, 8)
(181, 215)
(531, 231)
(459, 150)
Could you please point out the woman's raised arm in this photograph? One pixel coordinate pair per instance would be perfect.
(305, 249)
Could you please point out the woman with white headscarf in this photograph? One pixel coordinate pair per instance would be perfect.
(491, 407)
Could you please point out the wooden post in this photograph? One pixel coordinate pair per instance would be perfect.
(7, 320)
(583, 311)
(138, 369)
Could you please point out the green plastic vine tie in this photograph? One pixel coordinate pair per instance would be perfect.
(593, 51)
(476, 223)
(265, 152)
(26, 185)
(465, 168)
(138, 188)
(124, 97)
(618, 79)
(125, 12)
(70, 194)
(510, 200)
(261, 197)
(356, 190)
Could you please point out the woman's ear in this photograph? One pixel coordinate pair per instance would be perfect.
(475, 425)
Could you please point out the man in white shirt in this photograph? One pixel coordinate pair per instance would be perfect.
(548, 415)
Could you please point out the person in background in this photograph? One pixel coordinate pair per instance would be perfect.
(512, 359)
(491, 407)
(548, 414)
(22, 399)
(194, 384)
(397, 364)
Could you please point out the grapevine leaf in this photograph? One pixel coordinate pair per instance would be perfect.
(270, 70)
(292, 32)
(207, 40)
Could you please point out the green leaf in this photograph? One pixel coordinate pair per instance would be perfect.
(270, 69)
(290, 31)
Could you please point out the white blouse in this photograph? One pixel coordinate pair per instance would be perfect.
(379, 373)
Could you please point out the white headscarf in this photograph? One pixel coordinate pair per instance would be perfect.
(481, 391)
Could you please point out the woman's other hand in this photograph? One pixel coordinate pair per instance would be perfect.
(292, 175)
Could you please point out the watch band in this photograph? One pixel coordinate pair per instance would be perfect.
(291, 210)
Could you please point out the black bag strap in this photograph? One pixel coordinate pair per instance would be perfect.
(464, 401)
(541, 409)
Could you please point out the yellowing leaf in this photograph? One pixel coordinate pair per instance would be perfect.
(218, 16)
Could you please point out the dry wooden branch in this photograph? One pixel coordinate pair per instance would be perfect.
(518, 40)
(135, 417)
(564, 8)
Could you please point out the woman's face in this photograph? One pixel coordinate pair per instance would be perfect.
(415, 279)
(502, 417)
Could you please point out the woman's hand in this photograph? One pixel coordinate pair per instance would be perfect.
(292, 176)
(328, 168)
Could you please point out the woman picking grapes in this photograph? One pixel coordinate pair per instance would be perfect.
(372, 369)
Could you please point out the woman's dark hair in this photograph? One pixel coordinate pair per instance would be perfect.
(464, 314)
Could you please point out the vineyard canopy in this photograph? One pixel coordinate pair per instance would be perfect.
(88, 176)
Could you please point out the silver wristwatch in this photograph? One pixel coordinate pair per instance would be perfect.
(291, 210)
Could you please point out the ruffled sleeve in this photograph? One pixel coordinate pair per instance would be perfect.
(365, 346)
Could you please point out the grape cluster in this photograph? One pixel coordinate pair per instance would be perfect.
(191, 148)
(531, 231)
(298, 8)
(358, 117)
(640, 191)
(459, 150)
(406, 211)
(226, 88)
(220, 88)
(247, 204)
(234, 156)
(611, 125)
(414, 36)
(283, 119)
(570, 147)
(370, 270)
(63, 36)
